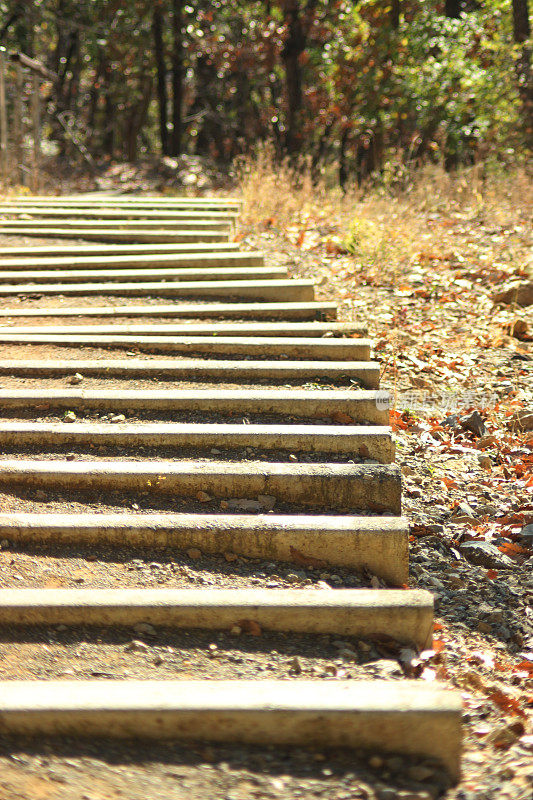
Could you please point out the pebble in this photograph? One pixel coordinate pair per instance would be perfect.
(418, 772)
(267, 501)
(76, 379)
(526, 534)
(118, 418)
(473, 423)
(295, 666)
(136, 645)
(203, 497)
(70, 416)
(194, 553)
(485, 554)
(146, 628)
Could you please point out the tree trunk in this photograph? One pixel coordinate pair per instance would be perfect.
(108, 138)
(395, 10)
(137, 118)
(452, 8)
(522, 33)
(292, 50)
(177, 76)
(157, 29)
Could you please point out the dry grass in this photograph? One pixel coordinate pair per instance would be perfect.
(381, 227)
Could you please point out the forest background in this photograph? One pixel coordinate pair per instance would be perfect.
(359, 90)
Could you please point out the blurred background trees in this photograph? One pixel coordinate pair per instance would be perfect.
(355, 87)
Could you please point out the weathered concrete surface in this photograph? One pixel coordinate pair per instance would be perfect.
(408, 717)
(353, 440)
(306, 348)
(198, 369)
(277, 310)
(405, 616)
(377, 544)
(346, 487)
(358, 405)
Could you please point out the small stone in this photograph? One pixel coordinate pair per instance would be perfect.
(4, 543)
(194, 553)
(487, 510)
(70, 416)
(473, 423)
(485, 554)
(407, 470)
(136, 645)
(70, 456)
(230, 557)
(267, 501)
(146, 628)
(203, 497)
(235, 630)
(322, 585)
(487, 441)
(463, 512)
(76, 379)
(419, 772)
(348, 654)
(522, 420)
(526, 534)
(245, 505)
(506, 735)
(386, 668)
(375, 762)
(292, 578)
(295, 666)
(292, 457)
(485, 462)
(215, 451)
(455, 580)
(118, 418)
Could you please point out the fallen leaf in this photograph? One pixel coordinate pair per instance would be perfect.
(506, 703)
(250, 626)
(307, 561)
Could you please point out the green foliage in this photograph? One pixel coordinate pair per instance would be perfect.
(336, 81)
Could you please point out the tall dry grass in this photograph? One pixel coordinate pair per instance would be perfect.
(285, 195)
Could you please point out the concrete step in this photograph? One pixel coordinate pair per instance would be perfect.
(366, 372)
(59, 215)
(290, 290)
(406, 717)
(44, 225)
(404, 616)
(212, 255)
(149, 274)
(308, 310)
(312, 330)
(118, 235)
(330, 349)
(119, 201)
(82, 250)
(345, 487)
(378, 545)
(367, 441)
(358, 405)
